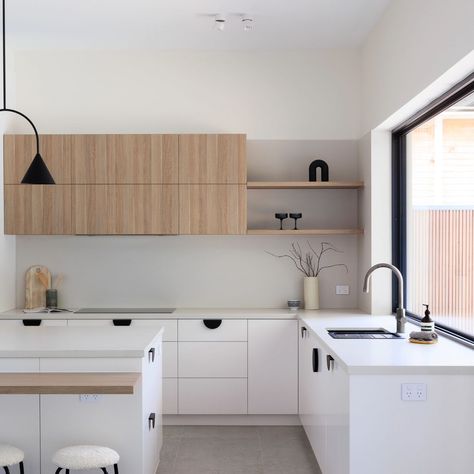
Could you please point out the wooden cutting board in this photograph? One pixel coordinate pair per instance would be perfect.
(35, 291)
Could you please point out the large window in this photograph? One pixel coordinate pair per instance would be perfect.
(434, 210)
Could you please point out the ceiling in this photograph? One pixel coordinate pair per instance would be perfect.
(188, 24)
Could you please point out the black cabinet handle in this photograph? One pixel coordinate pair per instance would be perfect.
(151, 355)
(32, 322)
(329, 361)
(315, 360)
(212, 323)
(122, 322)
(303, 332)
(151, 421)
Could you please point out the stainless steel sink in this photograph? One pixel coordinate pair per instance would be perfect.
(362, 333)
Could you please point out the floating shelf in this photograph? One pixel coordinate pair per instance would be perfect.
(305, 185)
(305, 232)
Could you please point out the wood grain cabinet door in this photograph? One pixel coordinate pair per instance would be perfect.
(212, 159)
(215, 209)
(19, 151)
(38, 210)
(126, 209)
(126, 159)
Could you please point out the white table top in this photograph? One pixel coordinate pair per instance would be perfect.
(388, 356)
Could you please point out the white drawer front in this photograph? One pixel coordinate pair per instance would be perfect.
(230, 330)
(170, 359)
(212, 359)
(170, 327)
(10, 364)
(212, 396)
(89, 322)
(170, 396)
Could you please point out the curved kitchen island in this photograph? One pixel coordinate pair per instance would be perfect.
(63, 386)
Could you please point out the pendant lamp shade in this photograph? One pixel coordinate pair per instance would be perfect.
(38, 172)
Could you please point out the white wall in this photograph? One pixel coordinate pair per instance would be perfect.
(414, 43)
(295, 107)
(276, 95)
(418, 50)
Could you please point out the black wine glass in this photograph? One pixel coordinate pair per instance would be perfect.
(296, 216)
(282, 216)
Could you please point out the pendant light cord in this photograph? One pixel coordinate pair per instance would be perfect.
(5, 109)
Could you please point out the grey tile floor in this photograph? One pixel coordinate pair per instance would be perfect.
(236, 450)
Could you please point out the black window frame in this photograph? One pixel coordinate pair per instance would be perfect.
(399, 188)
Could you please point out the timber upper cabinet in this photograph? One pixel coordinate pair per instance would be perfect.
(128, 184)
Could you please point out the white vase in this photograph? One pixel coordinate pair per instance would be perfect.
(311, 293)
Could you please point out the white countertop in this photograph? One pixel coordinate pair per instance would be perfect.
(180, 313)
(387, 356)
(65, 342)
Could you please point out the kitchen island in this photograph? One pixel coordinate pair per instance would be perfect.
(63, 386)
(384, 405)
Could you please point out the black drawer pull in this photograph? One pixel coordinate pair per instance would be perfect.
(151, 421)
(32, 322)
(122, 322)
(303, 332)
(329, 361)
(212, 323)
(315, 360)
(151, 355)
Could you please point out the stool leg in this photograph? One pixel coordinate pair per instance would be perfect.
(58, 470)
(116, 469)
(104, 470)
(22, 469)
(7, 471)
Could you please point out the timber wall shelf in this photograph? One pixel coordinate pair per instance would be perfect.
(305, 232)
(305, 185)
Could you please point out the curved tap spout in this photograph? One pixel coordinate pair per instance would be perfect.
(400, 315)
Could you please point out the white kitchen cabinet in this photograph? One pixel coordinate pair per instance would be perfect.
(212, 359)
(11, 323)
(273, 367)
(218, 396)
(20, 427)
(229, 330)
(170, 396)
(324, 404)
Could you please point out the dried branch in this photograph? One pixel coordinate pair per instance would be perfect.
(309, 263)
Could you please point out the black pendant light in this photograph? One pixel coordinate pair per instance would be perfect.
(38, 172)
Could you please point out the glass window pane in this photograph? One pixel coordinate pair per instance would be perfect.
(440, 217)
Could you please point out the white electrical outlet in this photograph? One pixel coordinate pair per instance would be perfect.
(342, 289)
(89, 398)
(414, 392)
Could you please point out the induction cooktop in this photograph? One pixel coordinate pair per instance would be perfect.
(126, 310)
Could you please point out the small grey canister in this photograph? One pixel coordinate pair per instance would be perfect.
(51, 298)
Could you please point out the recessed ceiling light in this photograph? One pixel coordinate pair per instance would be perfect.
(247, 22)
(219, 21)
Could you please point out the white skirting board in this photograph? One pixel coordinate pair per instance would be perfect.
(232, 420)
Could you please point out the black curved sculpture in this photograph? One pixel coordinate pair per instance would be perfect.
(313, 167)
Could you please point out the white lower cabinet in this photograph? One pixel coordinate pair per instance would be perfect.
(219, 396)
(212, 359)
(170, 396)
(273, 367)
(324, 404)
(20, 427)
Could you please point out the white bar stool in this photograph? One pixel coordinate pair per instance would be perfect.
(11, 456)
(80, 458)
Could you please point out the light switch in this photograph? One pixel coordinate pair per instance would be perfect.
(342, 289)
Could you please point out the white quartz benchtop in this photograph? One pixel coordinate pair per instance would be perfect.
(77, 342)
(192, 313)
(387, 356)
